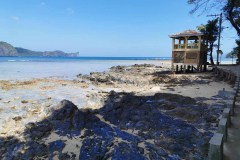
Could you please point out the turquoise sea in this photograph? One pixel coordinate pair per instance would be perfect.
(23, 68)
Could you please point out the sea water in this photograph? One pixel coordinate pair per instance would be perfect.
(26, 68)
(23, 68)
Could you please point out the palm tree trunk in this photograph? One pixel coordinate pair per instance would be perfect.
(238, 58)
(211, 56)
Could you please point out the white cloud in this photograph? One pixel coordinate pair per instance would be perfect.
(70, 11)
(15, 18)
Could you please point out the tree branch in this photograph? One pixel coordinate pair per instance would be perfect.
(230, 16)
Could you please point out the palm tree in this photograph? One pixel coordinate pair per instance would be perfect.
(210, 31)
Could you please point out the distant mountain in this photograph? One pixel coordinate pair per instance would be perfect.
(27, 52)
(60, 54)
(8, 50)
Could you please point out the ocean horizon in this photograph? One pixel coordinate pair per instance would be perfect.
(53, 59)
(25, 68)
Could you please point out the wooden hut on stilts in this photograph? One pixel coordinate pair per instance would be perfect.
(189, 52)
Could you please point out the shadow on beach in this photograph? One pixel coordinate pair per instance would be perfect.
(180, 79)
(162, 126)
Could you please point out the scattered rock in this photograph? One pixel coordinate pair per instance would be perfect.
(18, 118)
(166, 124)
(24, 101)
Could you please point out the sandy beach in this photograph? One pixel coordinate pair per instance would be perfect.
(141, 111)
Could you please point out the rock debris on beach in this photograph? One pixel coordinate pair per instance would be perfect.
(126, 127)
(134, 124)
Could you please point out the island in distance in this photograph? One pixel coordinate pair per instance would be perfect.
(8, 50)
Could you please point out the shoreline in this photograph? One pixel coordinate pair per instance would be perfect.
(41, 69)
(164, 93)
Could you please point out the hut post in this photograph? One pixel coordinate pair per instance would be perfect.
(173, 45)
(185, 42)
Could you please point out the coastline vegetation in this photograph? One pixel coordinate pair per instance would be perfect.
(231, 10)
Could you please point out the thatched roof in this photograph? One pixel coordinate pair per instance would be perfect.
(186, 33)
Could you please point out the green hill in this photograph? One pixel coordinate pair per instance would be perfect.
(8, 50)
(26, 52)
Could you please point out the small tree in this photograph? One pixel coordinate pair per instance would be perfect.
(230, 8)
(210, 31)
(237, 49)
(235, 53)
(232, 13)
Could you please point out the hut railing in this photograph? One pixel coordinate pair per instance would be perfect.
(179, 46)
(193, 46)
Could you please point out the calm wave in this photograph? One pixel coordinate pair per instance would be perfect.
(22, 68)
(60, 59)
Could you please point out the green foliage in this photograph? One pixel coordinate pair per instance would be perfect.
(210, 31)
(205, 5)
(231, 9)
(232, 13)
(235, 53)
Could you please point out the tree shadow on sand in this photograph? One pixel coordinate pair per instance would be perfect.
(162, 126)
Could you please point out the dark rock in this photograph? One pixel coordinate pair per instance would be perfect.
(125, 151)
(56, 146)
(38, 130)
(170, 121)
(18, 118)
(64, 156)
(173, 157)
(88, 133)
(30, 125)
(66, 111)
(35, 149)
(78, 120)
(94, 148)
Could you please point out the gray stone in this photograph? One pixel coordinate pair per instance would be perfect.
(226, 114)
(230, 105)
(237, 94)
(216, 147)
(225, 94)
(238, 98)
(222, 128)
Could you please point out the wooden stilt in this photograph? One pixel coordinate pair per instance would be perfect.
(188, 68)
(201, 68)
(205, 68)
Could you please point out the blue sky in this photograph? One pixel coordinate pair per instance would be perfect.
(100, 27)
